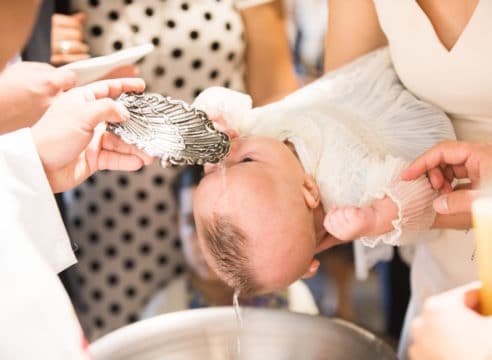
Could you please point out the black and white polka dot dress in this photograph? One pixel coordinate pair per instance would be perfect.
(125, 223)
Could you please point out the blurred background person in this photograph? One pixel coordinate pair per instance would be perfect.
(306, 27)
(125, 224)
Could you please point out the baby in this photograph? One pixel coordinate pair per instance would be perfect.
(323, 162)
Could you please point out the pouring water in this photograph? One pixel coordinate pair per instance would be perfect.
(239, 319)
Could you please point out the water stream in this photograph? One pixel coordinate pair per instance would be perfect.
(222, 168)
(237, 310)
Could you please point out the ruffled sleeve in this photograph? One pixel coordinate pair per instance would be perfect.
(390, 120)
(413, 199)
(415, 212)
(230, 107)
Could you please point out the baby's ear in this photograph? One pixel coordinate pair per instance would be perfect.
(310, 191)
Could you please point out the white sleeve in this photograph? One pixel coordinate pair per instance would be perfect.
(32, 205)
(38, 320)
(244, 4)
(413, 199)
(369, 92)
(232, 106)
(415, 212)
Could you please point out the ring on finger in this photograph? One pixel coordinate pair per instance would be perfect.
(65, 46)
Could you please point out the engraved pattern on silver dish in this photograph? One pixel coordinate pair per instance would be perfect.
(171, 130)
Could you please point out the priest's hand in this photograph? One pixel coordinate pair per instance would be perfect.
(71, 139)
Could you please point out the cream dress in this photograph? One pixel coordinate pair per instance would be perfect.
(459, 81)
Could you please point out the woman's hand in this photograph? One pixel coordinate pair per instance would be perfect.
(453, 160)
(450, 328)
(68, 143)
(67, 39)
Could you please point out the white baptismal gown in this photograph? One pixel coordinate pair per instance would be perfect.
(354, 131)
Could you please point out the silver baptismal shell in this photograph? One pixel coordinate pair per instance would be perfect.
(170, 129)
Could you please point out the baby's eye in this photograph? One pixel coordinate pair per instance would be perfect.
(246, 159)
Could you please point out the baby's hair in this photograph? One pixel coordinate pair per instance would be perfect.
(227, 245)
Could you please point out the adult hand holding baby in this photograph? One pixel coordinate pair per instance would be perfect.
(69, 145)
(32, 83)
(453, 160)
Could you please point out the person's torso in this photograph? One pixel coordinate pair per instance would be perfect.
(458, 80)
(198, 43)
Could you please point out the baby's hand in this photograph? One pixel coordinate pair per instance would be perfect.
(224, 107)
(351, 222)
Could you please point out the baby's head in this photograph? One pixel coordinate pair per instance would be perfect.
(256, 224)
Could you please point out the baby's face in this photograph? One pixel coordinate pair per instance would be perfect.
(262, 193)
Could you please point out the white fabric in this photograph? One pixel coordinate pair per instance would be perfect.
(37, 319)
(40, 218)
(459, 82)
(175, 298)
(354, 130)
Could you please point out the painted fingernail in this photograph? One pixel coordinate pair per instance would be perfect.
(441, 204)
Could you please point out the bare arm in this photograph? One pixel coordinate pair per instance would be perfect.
(270, 70)
(353, 30)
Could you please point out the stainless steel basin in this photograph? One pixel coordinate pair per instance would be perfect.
(212, 334)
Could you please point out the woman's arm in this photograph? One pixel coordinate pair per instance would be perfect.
(270, 72)
(353, 30)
